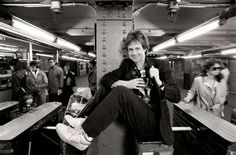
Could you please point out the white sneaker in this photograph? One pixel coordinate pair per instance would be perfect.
(76, 138)
(75, 122)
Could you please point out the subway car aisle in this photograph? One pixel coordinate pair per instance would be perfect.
(81, 81)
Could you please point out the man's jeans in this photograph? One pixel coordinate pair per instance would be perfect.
(122, 102)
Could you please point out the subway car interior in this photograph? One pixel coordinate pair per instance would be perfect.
(73, 32)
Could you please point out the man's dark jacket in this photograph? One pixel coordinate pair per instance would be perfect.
(170, 92)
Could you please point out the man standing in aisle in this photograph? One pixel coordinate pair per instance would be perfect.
(41, 79)
(55, 80)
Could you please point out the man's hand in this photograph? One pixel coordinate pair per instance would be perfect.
(154, 72)
(131, 84)
(59, 91)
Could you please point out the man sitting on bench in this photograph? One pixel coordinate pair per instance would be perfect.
(136, 92)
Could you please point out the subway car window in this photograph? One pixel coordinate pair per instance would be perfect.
(128, 77)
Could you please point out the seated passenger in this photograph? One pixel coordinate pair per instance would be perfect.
(209, 89)
(126, 96)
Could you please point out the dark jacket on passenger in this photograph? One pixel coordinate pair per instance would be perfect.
(92, 79)
(17, 79)
(171, 91)
(69, 82)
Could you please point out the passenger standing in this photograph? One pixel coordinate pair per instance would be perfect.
(18, 74)
(92, 76)
(20, 88)
(42, 80)
(69, 83)
(55, 80)
(148, 120)
(209, 89)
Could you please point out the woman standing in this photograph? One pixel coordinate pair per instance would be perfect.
(209, 89)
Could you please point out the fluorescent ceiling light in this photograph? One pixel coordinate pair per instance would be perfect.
(164, 45)
(8, 45)
(229, 51)
(31, 29)
(27, 30)
(199, 30)
(91, 54)
(192, 56)
(35, 50)
(74, 59)
(153, 32)
(162, 57)
(7, 54)
(89, 43)
(10, 49)
(8, 28)
(44, 55)
(68, 45)
(80, 32)
(234, 56)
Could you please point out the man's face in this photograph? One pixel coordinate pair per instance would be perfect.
(66, 69)
(136, 51)
(51, 63)
(33, 68)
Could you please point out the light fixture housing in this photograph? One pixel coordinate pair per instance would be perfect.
(228, 51)
(29, 31)
(44, 55)
(68, 45)
(32, 30)
(199, 30)
(73, 58)
(9, 48)
(162, 57)
(191, 56)
(92, 54)
(168, 43)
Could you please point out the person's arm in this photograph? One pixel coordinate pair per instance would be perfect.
(16, 83)
(117, 77)
(226, 74)
(113, 76)
(45, 80)
(192, 92)
(61, 77)
(221, 92)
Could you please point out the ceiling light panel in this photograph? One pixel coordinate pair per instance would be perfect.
(32, 30)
